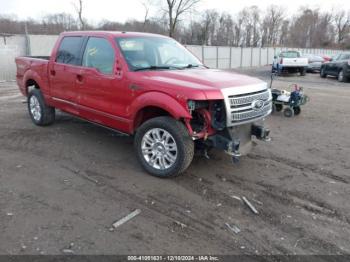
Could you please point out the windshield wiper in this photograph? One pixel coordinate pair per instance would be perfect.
(189, 66)
(151, 68)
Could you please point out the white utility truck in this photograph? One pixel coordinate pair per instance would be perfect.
(290, 62)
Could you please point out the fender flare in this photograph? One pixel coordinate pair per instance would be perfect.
(161, 100)
(32, 75)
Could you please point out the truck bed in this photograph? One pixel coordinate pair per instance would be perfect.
(38, 64)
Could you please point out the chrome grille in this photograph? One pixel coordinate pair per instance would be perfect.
(242, 108)
(247, 99)
(247, 115)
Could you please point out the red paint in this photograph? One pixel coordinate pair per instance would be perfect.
(116, 100)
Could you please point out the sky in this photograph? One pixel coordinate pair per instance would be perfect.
(122, 10)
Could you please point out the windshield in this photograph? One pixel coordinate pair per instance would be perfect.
(152, 53)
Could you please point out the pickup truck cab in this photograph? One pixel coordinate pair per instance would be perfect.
(148, 86)
(290, 62)
(338, 66)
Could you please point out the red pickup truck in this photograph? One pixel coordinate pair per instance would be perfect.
(148, 86)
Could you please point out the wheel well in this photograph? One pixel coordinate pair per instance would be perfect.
(31, 84)
(147, 113)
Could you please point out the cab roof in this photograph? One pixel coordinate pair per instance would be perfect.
(111, 34)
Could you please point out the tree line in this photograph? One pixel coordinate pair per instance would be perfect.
(251, 27)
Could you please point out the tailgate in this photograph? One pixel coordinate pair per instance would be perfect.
(295, 62)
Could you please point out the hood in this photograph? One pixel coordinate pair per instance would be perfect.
(209, 82)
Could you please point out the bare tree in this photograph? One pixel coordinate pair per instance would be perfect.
(342, 24)
(209, 23)
(79, 9)
(146, 4)
(249, 19)
(175, 9)
(57, 23)
(273, 20)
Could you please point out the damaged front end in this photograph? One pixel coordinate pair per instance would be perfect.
(231, 123)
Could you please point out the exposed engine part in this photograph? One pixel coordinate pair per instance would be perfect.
(218, 112)
(197, 122)
(195, 105)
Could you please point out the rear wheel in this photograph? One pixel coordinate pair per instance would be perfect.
(279, 107)
(40, 113)
(323, 72)
(288, 112)
(164, 147)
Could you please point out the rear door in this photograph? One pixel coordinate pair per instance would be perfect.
(331, 66)
(64, 69)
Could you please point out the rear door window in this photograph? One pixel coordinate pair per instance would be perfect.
(99, 54)
(69, 50)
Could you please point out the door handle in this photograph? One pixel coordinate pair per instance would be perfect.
(79, 78)
(52, 72)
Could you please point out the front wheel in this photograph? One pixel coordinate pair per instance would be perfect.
(40, 113)
(323, 73)
(164, 147)
(288, 112)
(297, 110)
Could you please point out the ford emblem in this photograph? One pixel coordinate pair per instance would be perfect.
(258, 104)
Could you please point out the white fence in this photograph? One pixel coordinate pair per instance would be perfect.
(19, 45)
(212, 56)
(235, 57)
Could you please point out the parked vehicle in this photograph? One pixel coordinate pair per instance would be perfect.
(151, 87)
(314, 63)
(290, 62)
(339, 66)
(326, 58)
(289, 102)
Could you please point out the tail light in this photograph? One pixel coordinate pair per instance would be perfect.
(281, 61)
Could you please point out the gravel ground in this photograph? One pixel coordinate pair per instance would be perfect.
(63, 186)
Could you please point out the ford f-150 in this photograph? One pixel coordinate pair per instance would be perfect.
(151, 87)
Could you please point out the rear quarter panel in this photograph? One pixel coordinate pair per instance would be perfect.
(32, 69)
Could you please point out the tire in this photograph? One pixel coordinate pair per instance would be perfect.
(302, 71)
(288, 112)
(274, 110)
(279, 107)
(169, 130)
(40, 113)
(323, 73)
(341, 77)
(297, 110)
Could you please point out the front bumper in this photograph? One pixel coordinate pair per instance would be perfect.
(312, 67)
(237, 141)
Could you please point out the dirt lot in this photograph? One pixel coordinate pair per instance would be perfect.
(63, 186)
